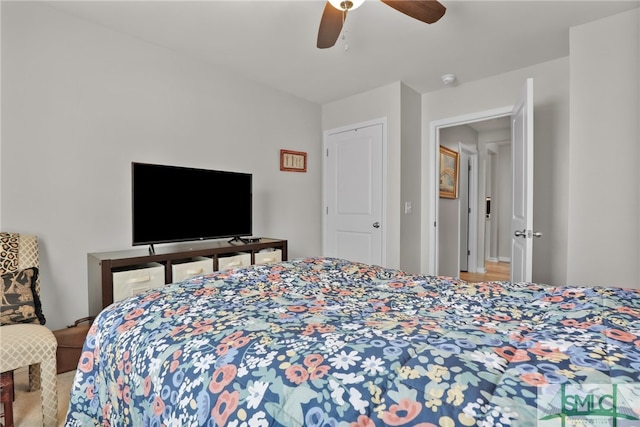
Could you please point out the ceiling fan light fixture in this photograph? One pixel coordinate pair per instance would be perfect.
(346, 4)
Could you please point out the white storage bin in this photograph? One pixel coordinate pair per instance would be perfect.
(234, 261)
(138, 279)
(268, 256)
(189, 268)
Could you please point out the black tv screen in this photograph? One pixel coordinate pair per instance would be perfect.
(175, 204)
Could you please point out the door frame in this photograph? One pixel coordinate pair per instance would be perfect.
(325, 136)
(434, 201)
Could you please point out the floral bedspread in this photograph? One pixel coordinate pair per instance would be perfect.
(327, 342)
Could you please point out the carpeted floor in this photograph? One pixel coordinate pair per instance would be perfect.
(27, 411)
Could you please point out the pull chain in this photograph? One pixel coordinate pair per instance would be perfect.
(344, 32)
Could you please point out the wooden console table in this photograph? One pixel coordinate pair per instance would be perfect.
(102, 265)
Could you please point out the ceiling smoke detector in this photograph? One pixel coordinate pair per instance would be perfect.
(447, 79)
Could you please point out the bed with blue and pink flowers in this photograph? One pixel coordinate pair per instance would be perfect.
(328, 342)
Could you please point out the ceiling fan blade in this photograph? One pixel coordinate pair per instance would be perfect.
(428, 11)
(330, 26)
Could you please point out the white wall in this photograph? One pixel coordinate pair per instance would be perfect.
(503, 199)
(374, 104)
(551, 133)
(0, 120)
(411, 186)
(604, 196)
(81, 102)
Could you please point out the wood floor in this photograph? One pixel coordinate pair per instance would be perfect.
(496, 271)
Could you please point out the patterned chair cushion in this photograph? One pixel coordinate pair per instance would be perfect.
(9, 249)
(20, 302)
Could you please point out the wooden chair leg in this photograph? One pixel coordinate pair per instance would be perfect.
(6, 396)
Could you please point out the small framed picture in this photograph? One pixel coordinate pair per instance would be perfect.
(448, 173)
(293, 161)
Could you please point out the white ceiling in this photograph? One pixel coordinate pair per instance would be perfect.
(274, 42)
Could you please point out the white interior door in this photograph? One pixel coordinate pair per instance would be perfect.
(354, 194)
(522, 201)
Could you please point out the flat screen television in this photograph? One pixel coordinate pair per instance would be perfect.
(177, 204)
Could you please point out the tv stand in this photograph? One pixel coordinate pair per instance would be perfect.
(102, 265)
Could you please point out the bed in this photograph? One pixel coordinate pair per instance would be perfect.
(328, 342)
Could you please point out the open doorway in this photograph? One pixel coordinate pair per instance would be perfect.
(474, 228)
(521, 233)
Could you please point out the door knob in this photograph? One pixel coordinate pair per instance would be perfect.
(525, 233)
(376, 225)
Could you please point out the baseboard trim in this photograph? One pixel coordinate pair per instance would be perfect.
(504, 259)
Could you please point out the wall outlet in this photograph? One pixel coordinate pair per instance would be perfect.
(407, 207)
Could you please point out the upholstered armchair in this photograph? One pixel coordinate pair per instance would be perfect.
(24, 340)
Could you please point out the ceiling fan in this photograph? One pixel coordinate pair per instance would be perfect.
(335, 13)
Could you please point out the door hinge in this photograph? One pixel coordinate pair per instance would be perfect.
(327, 152)
(468, 253)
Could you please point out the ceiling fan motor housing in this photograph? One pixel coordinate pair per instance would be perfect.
(345, 5)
